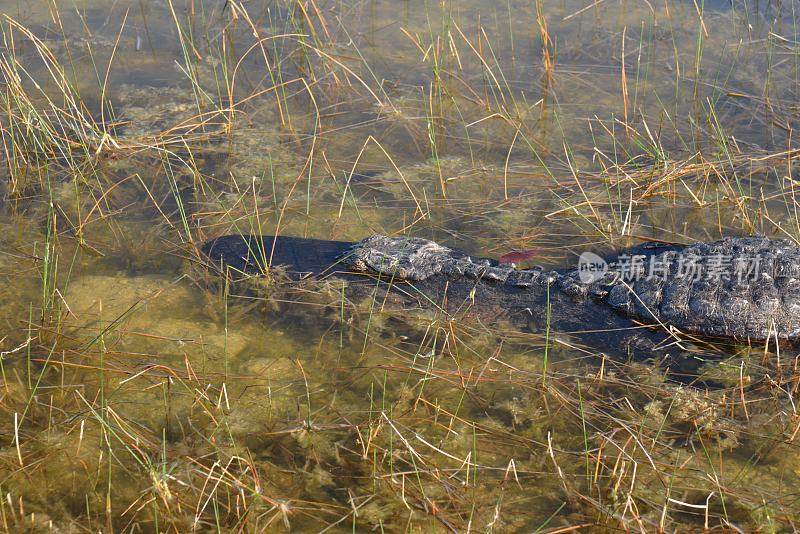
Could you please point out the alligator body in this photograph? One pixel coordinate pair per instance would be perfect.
(744, 288)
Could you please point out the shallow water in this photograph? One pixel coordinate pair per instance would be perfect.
(140, 394)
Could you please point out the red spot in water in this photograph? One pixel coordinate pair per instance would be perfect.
(518, 256)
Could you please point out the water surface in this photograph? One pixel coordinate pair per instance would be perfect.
(139, 394)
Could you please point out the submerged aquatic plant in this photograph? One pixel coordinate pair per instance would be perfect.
(141, 390)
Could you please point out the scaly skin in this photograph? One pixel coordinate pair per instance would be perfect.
(761, 306)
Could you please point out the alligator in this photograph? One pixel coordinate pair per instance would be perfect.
(741, 288)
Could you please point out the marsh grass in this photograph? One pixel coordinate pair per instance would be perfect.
(143, 392)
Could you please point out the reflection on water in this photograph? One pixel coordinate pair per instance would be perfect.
(139, 393)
